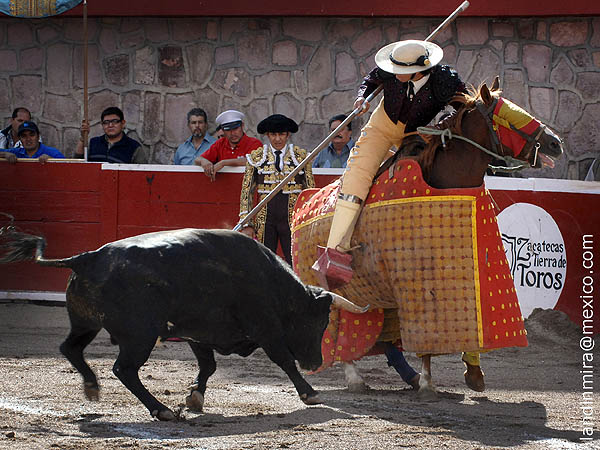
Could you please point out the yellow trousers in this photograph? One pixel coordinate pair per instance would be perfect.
(373, 145)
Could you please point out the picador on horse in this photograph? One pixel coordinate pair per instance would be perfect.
(416, 87)
(421, 244)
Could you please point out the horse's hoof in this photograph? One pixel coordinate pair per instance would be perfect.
(195, 401)
(164, 415)
(427, 395)
(474, 378)
(91, 391)
(311, 399)
(357, 388)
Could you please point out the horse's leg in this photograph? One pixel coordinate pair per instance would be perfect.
(473, 375)
(426, 387)
(355, 382)
(396, 360)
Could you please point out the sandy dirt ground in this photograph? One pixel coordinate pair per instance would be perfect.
(532, 400)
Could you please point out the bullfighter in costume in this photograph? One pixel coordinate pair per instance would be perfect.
(415, 89)
(266, 167)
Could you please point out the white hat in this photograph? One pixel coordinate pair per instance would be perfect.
(230, 119)
(406, 57)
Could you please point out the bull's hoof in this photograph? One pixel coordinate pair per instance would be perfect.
(164, 415)
(195, 401)
(311, 399)
(427, 394)
(91, 391)
(357, 388)
(474, 378)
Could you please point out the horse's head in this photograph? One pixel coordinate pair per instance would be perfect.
(515, 132)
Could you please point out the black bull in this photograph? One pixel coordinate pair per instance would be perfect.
(217, 289)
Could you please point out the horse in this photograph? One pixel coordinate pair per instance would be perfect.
(427, 253)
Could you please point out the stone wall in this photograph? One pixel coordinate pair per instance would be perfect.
(307, 68)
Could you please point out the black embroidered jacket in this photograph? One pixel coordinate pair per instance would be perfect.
(433, 96)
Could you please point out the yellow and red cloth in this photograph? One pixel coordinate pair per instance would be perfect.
(434, 255)
(506, 113)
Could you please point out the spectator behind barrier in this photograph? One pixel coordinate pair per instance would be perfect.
(218, 134)
(335, 155)
(198, 142)
(8, 136)
(232, 148)
(114, 145)
(29, 135)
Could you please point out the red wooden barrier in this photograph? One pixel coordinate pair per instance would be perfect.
(79, 206)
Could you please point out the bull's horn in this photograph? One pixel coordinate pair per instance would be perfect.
(346, 304)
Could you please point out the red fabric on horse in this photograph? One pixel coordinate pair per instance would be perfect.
(434, 254)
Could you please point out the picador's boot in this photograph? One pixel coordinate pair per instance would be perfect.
(333, 263)
(397, 361)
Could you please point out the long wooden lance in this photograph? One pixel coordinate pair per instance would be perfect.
(331, 135)
(85, 78)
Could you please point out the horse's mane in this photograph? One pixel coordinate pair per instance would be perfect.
(462, 103)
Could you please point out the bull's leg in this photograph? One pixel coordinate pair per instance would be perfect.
(426, 388)
(355, 382)
(474, 377)
(397, 360)
(131, 357)
(207, 366)
(284, 359)
(72, 348)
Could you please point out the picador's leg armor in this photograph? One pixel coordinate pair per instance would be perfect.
(397, 361)
(376, 138)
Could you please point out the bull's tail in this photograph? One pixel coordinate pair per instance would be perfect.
(16, 246)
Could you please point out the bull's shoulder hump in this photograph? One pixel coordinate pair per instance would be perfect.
(154, 240)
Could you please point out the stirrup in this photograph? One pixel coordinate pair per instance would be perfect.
(332, 268)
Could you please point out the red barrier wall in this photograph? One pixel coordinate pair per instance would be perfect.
(79, 206)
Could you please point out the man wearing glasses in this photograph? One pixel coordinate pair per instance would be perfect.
(114, 146)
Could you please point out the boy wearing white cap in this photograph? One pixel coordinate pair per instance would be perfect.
(415, 89)
(231, 149)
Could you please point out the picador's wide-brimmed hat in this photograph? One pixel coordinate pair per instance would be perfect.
(277, 123)
(410, 56)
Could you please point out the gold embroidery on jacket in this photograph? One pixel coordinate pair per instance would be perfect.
(262, 176)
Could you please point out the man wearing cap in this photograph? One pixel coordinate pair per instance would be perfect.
(231, 149)
(29, 134)
(415, 89)
(198, 142)
(8, 136)
(265, 168)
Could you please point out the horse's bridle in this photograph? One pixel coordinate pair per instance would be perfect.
(499, 151)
